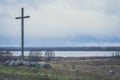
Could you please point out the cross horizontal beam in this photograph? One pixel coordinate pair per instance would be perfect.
(22, 17)
(61, 49)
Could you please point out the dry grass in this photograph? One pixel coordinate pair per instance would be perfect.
(95, 69)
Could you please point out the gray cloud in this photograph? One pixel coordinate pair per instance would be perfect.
(58, 19)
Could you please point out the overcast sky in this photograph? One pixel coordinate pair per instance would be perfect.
(61, 22)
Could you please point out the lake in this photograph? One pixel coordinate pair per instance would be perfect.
(71, 53)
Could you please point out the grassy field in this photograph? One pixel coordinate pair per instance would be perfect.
(64, 70)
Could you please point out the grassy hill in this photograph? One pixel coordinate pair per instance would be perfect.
(78, 70)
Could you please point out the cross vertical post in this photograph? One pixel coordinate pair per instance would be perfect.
(22, 31)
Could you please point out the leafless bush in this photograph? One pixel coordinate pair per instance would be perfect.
(35, 55)
(5, 55)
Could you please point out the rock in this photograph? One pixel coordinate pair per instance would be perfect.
(44, 65)
(33, 64)
(18, 63)
(111, 72)
(6, 62)
(27, 63)
(47, 66)
(11, 63)
(74, 70)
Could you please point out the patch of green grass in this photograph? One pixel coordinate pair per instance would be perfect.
(59, 72)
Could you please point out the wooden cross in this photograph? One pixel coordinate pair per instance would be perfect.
(22, 30)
